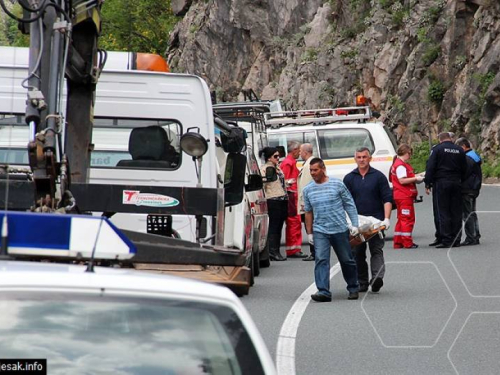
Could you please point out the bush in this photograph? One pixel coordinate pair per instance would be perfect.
(436, 91)
(420, 155)
(490, 170)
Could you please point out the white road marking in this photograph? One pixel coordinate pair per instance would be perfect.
(285, 351)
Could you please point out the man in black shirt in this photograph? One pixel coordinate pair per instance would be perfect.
(470, 191)
(446, 169)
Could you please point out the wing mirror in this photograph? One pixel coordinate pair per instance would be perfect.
(254, 182)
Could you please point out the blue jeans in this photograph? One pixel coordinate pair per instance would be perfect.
(341, 246)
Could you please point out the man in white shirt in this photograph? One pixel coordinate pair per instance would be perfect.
(306, 154)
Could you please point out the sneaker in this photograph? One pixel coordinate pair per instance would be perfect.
(317, 297)
(377, 284)
(309, 258)
(435, 243)
(363, 288)
(353, 295)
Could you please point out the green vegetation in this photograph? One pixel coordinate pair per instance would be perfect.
(484, 81)
(431, 53)
(137, 26)
(421, 152)
(422, 35)
(395, 103)
(310, 55)
(349, 54)
(327, 93)
(9, 33)
(491, 169)
(436, 91)
(460, 62)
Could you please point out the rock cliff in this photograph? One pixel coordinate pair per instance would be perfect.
(427, 65)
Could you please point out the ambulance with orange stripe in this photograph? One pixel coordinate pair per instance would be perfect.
(335, 134)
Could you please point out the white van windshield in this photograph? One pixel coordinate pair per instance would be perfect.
(157, 145)
(342, 143)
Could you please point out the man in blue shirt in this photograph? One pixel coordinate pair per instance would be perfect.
(373, 197)
(326, 201)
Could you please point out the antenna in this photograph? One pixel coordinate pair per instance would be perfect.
(90, 264)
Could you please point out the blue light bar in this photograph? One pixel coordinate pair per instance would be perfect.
(64, 236)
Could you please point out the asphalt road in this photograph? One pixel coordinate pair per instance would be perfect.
(438, 312)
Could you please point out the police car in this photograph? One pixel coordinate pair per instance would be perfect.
(335, 134)
(83, 319)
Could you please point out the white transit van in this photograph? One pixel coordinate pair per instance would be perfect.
(335, 134)
(171, 105)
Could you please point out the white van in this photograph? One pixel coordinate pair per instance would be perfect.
(128, 100)
(250, 117)
(335, 134)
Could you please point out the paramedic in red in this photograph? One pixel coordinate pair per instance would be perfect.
(405, 191)
(293, 223)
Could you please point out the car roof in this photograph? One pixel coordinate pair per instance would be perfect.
(45, 276)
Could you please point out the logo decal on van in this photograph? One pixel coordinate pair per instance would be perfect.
(148, 199)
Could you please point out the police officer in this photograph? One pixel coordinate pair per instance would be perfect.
(446, 169)
(470, 191)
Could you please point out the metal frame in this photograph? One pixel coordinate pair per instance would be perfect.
(316, 116)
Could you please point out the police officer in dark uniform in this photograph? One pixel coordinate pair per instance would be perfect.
(446, 169)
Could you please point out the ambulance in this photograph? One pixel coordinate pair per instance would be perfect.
(335, 134)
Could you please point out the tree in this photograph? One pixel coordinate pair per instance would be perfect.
(137, 26)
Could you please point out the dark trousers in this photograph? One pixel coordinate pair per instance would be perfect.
(435, 213)
(311, 247)
(449, 198)
(377, 263)
(278, 212)
(470, 218)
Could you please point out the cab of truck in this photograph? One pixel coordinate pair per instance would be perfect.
(141, 119)
(335, 134)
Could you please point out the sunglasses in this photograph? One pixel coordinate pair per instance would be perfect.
(276, 156)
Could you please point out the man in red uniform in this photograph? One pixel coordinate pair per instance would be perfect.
(293, 223)
(404, 189)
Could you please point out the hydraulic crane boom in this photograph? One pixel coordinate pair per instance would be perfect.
(63, 43)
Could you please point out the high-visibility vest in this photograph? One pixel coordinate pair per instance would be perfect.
(403, 191)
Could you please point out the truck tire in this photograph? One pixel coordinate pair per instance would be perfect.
(264, 260)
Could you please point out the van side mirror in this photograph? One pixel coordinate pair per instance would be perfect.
(271, 174)
(254, 182)
(234, 179)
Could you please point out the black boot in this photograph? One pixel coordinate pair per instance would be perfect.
(274, 248)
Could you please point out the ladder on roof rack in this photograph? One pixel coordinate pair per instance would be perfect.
(317, 116)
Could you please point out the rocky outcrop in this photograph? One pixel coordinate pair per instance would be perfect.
(427, 65)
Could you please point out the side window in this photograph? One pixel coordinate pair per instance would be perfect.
(342, 143)
(282, 139)
(136, 143)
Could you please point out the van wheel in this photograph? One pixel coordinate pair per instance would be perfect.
(256, 263)
(264, 260)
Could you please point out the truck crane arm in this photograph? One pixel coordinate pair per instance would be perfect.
(63, 43)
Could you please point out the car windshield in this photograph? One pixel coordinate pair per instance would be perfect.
(103, 335)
